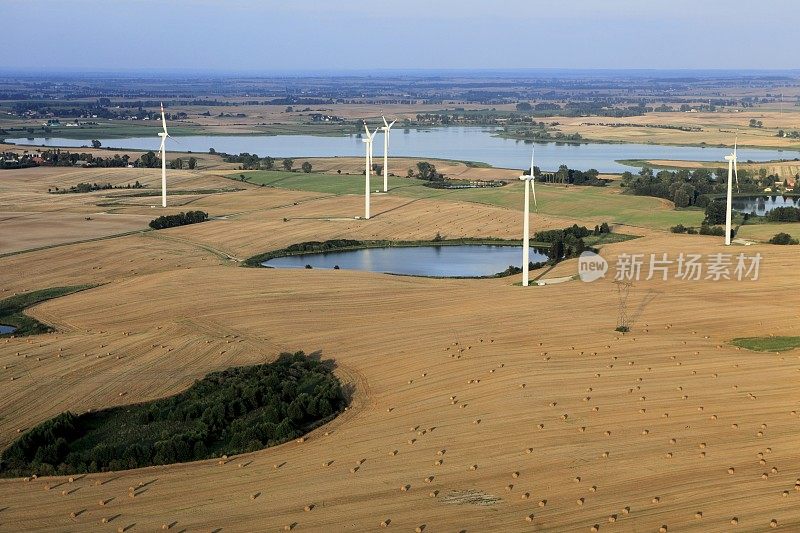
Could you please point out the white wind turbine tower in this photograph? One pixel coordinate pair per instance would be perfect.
(367, 166)
(163, 135)
(732, 171)
(526, 221)
(386, 127)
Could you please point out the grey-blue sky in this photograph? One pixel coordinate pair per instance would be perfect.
(273, 35)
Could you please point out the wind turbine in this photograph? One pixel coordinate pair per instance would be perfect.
(163, 135)
(367, 167)
(526, 221)
(386, 127)
(732, 170)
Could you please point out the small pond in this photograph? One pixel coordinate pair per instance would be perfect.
(467, 260)
(5, 330)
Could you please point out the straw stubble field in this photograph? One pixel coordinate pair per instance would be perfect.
(478, 405)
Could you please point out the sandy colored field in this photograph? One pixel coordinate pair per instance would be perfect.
(787, 170)
(400, 165)
(537, 369)
(204, 161)
(717, 128)
(31, 217)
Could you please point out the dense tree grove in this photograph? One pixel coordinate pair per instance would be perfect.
(426, 171)
(784, 214)
(181, 219)
(233, 411)
(568, 176)
(568, 242)
(691, 187)
(250, 161)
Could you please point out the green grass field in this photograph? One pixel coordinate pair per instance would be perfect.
(767, 344)
(606, 203)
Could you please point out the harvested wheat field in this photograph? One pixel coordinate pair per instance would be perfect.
(476, 404)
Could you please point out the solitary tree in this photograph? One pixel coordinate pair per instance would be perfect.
(306, 167)
(96, 143)
(287, 164)
(192, 163)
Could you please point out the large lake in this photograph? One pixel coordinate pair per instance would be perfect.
(761, 205)
(459, 143)
(471, 260)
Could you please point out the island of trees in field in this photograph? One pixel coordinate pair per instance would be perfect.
(181, 219)
(229, 412)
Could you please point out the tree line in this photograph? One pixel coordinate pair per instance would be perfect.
(687, 188)
(91, 187)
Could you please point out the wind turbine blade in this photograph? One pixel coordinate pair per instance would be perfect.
(366, 129)
(532, 154)
(163, 119)
(384, 121)
(533, 190)
(392, 124)
(736, 171)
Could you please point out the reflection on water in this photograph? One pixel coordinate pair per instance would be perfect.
(459, 143)
(470, 260)
(5, 330)
(761, 205)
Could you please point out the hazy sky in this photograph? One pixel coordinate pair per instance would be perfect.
(273, 35)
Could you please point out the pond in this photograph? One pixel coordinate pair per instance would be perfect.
(469, 260)
(761, 205)
(457, 143)
(5, 330)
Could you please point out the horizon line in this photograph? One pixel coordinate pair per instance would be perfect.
(364, 72)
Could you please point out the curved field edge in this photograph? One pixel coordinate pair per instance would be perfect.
(767, 344)
(228, 412)
(12, 309)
